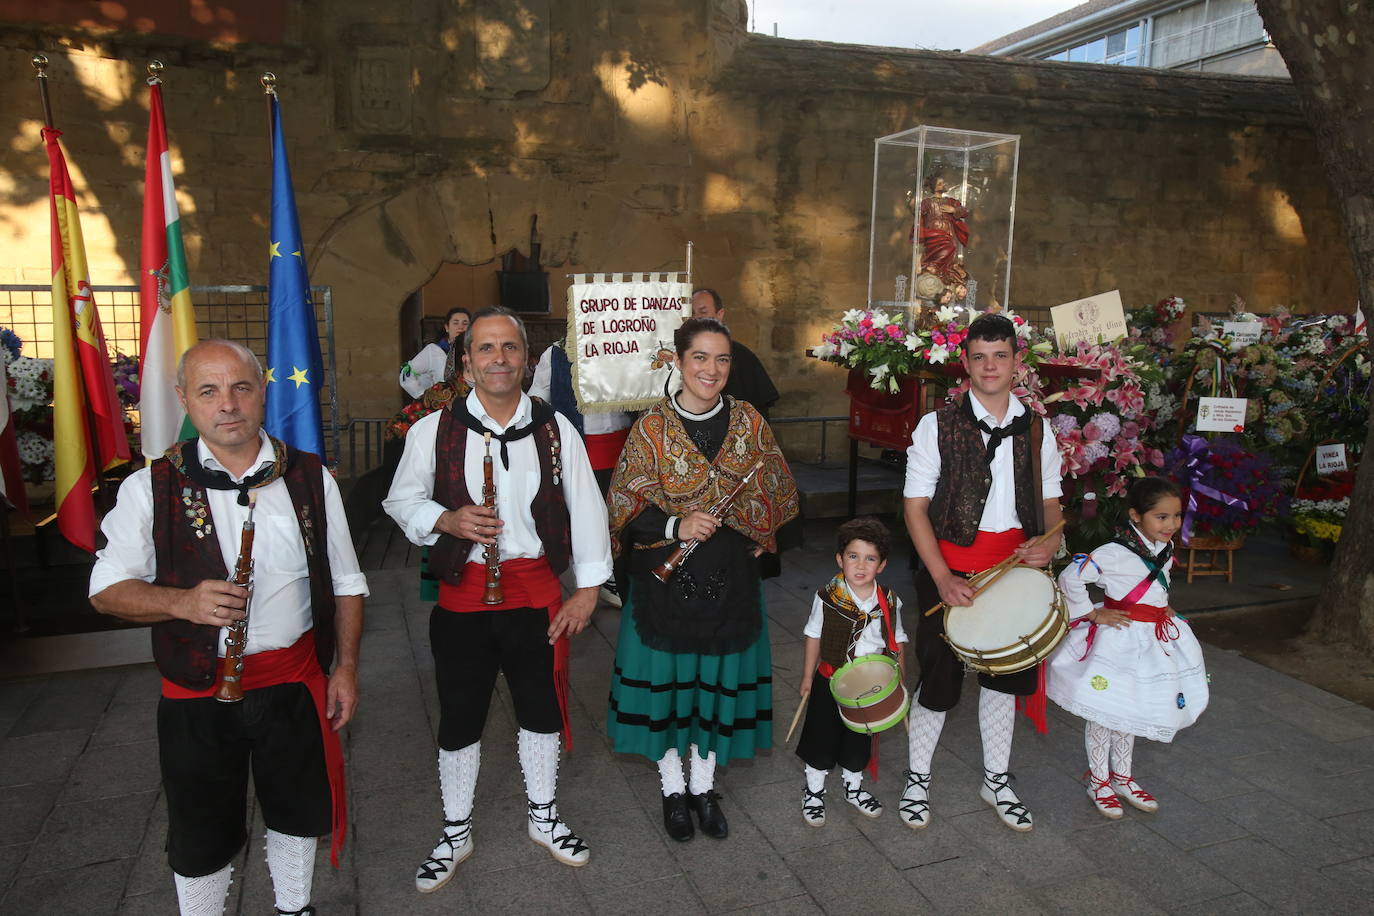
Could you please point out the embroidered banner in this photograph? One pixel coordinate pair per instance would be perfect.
(620, 337)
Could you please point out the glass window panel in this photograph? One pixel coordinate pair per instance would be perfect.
(1096, 51)
(1133, 38)
(1076, 54)
(1130, 59)
(1116, 43)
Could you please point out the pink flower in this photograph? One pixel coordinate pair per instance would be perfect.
(894, 332)
(1091, 433)
(866, 322)
(868, 337)
(1130, 430)
(938, 338)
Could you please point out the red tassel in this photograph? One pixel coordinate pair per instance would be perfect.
(873, 758)
(1034, 706)
(560, 679)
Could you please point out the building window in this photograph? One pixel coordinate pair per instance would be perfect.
(1189, 35)
(1119, 47)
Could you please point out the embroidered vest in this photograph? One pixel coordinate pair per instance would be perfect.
(965, 478)
(840, 628)
(549, 510)
(187, 553)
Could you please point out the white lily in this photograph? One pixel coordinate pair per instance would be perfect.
(852, 316)
(913, 342)
(824, 351)
(946, 313)
(845, 347)
(938, 354)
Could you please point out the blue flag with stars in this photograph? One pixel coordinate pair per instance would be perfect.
(294, 373)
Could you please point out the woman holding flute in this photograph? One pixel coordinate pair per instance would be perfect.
(693, 671)
(982, 478)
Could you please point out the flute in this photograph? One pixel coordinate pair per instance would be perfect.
(491, 553)
(665, 570)
(231, 668)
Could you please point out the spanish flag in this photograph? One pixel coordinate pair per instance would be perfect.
(167, 326)
(84, 397)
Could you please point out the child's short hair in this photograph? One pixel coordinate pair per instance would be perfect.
(992, 328)
(1145, 492)
(865, 528)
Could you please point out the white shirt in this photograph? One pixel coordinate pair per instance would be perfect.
(1116, 570)
(999, 512)
(279, 609)
(410, 502)
(870, 640)
(424, 370)
(593, 424)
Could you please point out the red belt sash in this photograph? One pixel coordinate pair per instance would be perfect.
(603, 449)
(525, 583)
(296, 664)
(1165, 628)
(988, 549)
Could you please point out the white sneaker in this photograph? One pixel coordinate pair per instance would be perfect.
(914, 807)
(813, 807)
(863, 800)
(453, 847)
(548, 830)
(999, 794)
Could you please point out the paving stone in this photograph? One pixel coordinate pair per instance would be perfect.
(629, 849)
(1325, 723)
(1240, 904)
(829, 876)
(801, 905)
(137, 684)
(1356, 829)
(1262, 870)
(1288, 774)
(87, 889)
(1308, 841)
(776, 809)
(971, 884)
(668, 896)
(1183, 821)
(126, 723)
(11, 857)
(1096, 894)
(23, 810)
(89, 832)
(1194, 774)
(739, 871)
(1039, 857)
(546, 887)
(40, 757)
(1156, 869)
(122, 769)
(75, 700)
(150, 874)
(15, 696)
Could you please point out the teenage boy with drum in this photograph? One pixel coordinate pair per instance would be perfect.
(855, 624)
(982, 479)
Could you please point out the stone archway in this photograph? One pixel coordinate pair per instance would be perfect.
(377, 255)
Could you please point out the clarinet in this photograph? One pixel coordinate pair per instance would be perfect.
(665, 571)
(231, 669)
(491, 553)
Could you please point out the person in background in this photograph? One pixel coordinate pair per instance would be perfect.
(427, 367)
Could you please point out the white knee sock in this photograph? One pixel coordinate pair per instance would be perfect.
(922, 736)
(815, 779)
(851, 779)
(703, 774)
(291, 862)
(1098, 739)
(996, 720)
(458, 780)
(203, 896)
(1123, 747)
(670, 773)
(539, 762)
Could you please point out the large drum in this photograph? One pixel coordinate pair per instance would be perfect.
(1012, 624)
(870, 694)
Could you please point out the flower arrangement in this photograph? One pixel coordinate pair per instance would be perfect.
(434, 398)
(10, 345)
(882, 345)
(30, 383)
(1319, 520)
(126, 380)
(1228, 489)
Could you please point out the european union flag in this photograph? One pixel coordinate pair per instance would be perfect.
(294, 373)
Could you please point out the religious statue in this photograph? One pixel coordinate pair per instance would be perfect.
(942, 230)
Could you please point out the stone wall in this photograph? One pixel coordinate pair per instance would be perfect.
(427, 132)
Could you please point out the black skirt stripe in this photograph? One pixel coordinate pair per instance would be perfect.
(708, 725)
(696, 684)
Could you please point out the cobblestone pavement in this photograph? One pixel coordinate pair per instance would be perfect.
(1267, 804)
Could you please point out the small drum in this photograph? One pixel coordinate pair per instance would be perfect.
(870, 694)
(1012, 624)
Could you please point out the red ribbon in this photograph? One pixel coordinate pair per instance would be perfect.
(294, 664)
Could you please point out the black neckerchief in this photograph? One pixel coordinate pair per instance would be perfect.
(540, 413)
(1134, 541)
(186, 458)
(997, 433)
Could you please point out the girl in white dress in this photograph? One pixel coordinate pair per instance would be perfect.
(1131, 667)
(427, 367)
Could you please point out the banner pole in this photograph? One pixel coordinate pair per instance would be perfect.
(689, 263)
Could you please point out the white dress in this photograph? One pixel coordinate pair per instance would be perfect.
(424, 370)
(1130, 681)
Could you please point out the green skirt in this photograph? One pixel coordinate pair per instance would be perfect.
(661, 700)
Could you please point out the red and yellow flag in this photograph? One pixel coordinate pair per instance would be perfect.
(83, 381)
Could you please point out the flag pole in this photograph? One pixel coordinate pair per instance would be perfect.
(40, 63)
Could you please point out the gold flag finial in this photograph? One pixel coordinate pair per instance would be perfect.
(155, 68)
(40, 63)
(269, 82)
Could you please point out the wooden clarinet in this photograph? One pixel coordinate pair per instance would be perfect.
(665, 570)
(231, 668)
(491, 553)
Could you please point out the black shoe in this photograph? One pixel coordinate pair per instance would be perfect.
(677, 820)
(709, 815)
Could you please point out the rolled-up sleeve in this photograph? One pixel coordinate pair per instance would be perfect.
(128, 528)
(347, 577)
(1051, 465)
(591, 536)
(409, 502)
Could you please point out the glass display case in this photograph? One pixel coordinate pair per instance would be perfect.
(944, 205)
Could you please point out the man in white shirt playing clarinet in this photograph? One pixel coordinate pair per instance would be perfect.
(548, 517)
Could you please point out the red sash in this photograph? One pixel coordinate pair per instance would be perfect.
(525, 583)
(1165, 628)
(603, 449)
(988, 549)
(296, 664)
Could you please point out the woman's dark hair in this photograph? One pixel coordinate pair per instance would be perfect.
(443, 328)
(864, 528)
(1146, 492)
(993, 328)
(684, 335)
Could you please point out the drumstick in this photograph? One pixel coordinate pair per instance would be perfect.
(796, 717)
(990, 575)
